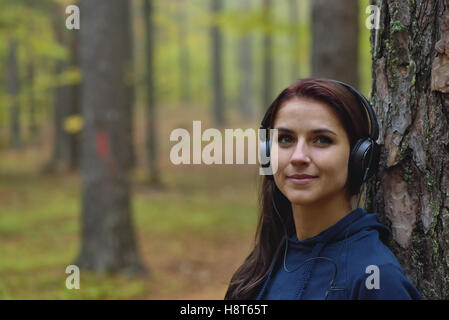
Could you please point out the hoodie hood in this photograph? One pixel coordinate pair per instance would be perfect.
(355, 222)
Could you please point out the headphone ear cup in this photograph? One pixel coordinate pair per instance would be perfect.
(374, 166)
(359, 162)
(268, 148)
(264, 154)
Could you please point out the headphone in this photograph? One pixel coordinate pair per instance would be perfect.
(364, 156)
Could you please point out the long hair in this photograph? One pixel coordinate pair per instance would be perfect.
(270, 236)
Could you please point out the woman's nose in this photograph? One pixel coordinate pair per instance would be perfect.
(300, 154)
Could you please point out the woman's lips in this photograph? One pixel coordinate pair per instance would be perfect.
(296, 180)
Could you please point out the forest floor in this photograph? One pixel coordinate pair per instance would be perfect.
(192, 232)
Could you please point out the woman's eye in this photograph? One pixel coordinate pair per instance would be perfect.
(287, 139)
(324, 140)
(283, 139)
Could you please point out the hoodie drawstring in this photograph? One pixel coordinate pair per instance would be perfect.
(304, 280)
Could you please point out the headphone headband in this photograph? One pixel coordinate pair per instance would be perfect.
(372, 120)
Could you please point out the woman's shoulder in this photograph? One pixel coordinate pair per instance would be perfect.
(368, 246)
(383, 281)
(375, 272)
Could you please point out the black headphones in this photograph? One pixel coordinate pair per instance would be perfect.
(366, 148)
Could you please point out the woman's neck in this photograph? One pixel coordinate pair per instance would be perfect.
(311, 220)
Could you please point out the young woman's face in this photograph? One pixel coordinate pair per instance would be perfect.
(312, 141)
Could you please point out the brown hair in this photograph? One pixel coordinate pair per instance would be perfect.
(270, 236)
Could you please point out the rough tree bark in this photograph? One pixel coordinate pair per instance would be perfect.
(335, 40)
(410, 190)
(108, 239)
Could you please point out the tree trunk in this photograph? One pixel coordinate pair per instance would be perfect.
(184, 58)
(267, 58)
(151, 123)
(245, 62)
(33, 129)
(12, 87)
(294, 20)
(75, 107)
(108, 238)
(61, 110)
(217, 73)
(335, 45)
(66, 101)
(410, 190)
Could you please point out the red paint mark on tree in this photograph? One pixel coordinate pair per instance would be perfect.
(102, 144)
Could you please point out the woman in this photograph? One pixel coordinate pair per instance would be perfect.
(310, 243)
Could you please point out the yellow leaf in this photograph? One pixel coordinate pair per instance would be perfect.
(73, 124)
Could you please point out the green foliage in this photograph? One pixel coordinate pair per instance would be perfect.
(32, 25)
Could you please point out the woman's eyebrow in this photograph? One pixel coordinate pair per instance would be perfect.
(315, 131)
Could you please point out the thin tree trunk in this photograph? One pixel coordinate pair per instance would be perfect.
(335, 44)
(66, 102)
(152, 150)
(294, 20)
(184, 58)
(75, 107)
(61, 110)
(33, 129)
(108, 241)
(410, 190)
(267, 59)
(12, 86)
(217, 73)
(245, 62)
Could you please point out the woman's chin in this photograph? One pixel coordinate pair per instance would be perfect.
(301, 199)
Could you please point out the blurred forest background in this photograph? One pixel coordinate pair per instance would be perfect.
(167, 232)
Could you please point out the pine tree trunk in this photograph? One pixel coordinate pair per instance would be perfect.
(335, 44)
(108, 238)
(410, 190)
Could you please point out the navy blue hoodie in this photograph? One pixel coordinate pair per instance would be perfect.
(366, 268)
